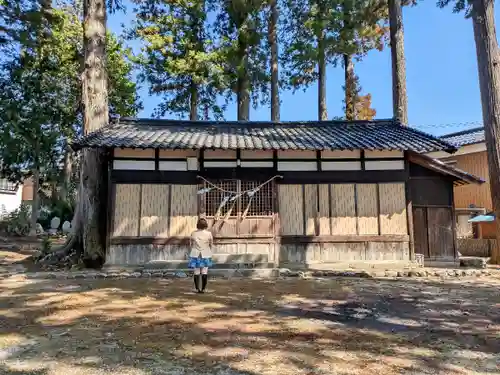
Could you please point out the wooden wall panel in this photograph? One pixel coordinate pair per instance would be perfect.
(311, 208)
(479, 195)
(136, 153)
(184, 208)
(441, 236)
(343, 209)
(324, 210)
(178, 154)
(155, 210)
(126, 210)
(257, 226)
(421, 235)
(393, 218)
(290, 209)
(366, 200)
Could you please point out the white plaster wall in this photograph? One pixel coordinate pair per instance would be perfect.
(11, 202)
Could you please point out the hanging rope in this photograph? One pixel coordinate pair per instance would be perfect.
(244, 214)
(213, 186)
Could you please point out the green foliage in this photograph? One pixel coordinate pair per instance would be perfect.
(63, 210)
(122, 90)
(244, 50)
(458, 6)
(40, 92)
(179, 60)
(46, 245)
(17, 222)
(332, 27)
(308, 32)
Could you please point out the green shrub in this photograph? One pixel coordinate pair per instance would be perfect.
(46, 245)
(17, 222)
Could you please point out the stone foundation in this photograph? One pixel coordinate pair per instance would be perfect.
(299, 254)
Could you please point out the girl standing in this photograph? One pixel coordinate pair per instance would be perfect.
(200, 257)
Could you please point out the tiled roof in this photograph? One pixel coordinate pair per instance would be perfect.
(466, 137)
(313, 135)
(461, 177)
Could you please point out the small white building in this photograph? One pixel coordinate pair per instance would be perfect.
(11, 196)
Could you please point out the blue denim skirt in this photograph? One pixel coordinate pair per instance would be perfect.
(198, 262)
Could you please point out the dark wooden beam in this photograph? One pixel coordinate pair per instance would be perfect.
(260, 239)
(362, 155)
(257, 174)
(342, 239)
(157, 159)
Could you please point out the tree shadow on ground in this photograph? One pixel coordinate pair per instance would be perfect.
(258, 326)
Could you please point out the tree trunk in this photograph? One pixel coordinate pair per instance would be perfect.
(95, 103)
(350, 89)
(399, 99)
(273, 42)
(489, 83)
(243, 94)
(322, 112)
(193, 104)
(67, 173)
(35, 201)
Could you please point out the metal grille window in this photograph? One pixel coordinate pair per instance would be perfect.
(6, 185)
(260, 204)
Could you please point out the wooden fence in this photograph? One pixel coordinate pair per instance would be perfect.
(475, 247)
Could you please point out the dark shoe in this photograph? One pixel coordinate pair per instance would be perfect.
(196, 279)
(204, 280)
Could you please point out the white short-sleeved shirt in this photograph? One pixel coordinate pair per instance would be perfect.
(201, 244)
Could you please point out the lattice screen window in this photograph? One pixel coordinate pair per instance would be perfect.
(214, 198)
(261, 204)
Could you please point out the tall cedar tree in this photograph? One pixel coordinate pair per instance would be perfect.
(363, 28)
(360, 104)
(244, 53)
(399, 97)
(179, 60)
(40, 95)
(274, 63)
(88, 221)
(27, 125)
(483, 21)
(309, 29)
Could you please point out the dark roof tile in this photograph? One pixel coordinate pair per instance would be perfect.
(465, 137)
(311, 135)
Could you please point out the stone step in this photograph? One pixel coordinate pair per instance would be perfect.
(220, 272)
(165, 264)
(222, 259)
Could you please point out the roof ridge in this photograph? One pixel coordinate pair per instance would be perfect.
(176, 122)
(462, 132)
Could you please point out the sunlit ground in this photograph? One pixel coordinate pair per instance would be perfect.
(342, 326)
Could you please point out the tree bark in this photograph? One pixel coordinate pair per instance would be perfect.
(322, 111)
(67, 173)
(399, 98)
(483, 19)
(95, 109)
(273, 42)
(350, 90)
(193, 102)
(35, 201)
(243, 94)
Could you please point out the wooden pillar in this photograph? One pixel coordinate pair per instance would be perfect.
(110, 206)
(277, 225)
(409, 210)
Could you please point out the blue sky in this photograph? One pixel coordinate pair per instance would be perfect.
(442, 83)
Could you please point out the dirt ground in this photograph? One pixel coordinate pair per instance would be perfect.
(299, 327)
